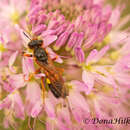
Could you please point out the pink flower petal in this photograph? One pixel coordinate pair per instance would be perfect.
(18, 106)
(6, 103)
(61, 29)
(16, 80)
(61, 40)
(35, 90)
(34, 10)
(105, 80)
(42, 18)
(91, 56)
(24, 38)
(0, 55)
(70, 29)
(63, 114)
(78, 21)
(123, 64)
(27, 66)
(79, 39)
(8, 87)
(88, 78)
(13, 58)
(107, 11)
(95, 56)
(49, 39)
(33, 99)
(36, 109)
(76, 100)
(47, 33)
(91, 40)
(72, 40)
(38, 29)
(49, 108)
(53, 55)
(53, 24)
(102, 52)
(79, 53)
(115, 16)
(80, 86)
(6, 123)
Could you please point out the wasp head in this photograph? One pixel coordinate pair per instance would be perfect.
(35, 44)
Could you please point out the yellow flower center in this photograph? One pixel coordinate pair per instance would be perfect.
(2, 49)
(15, 17)
(107, 89)
(107, 39)
(114, 55)
(91, 96)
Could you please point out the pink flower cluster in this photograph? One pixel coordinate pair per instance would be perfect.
(86, 38)
(90, 25)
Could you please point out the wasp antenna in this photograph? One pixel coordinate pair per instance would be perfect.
(27, 36)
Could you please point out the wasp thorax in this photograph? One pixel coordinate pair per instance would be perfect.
(35, 43)
(40, 54)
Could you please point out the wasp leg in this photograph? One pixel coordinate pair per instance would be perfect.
(27, 54)
(60, 70)
(37, 71)
(55, 58)
(26, 80)
(32, 74)
(43, 89)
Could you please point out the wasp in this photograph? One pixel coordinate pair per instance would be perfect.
(53, 75)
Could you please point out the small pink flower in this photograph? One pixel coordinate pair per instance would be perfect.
(28, 67)
(121, 70)
(11, 60)
(78, 105)
(49, 108)
(13, 102)
(17, 81)
(94, 55)
(33, 99)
